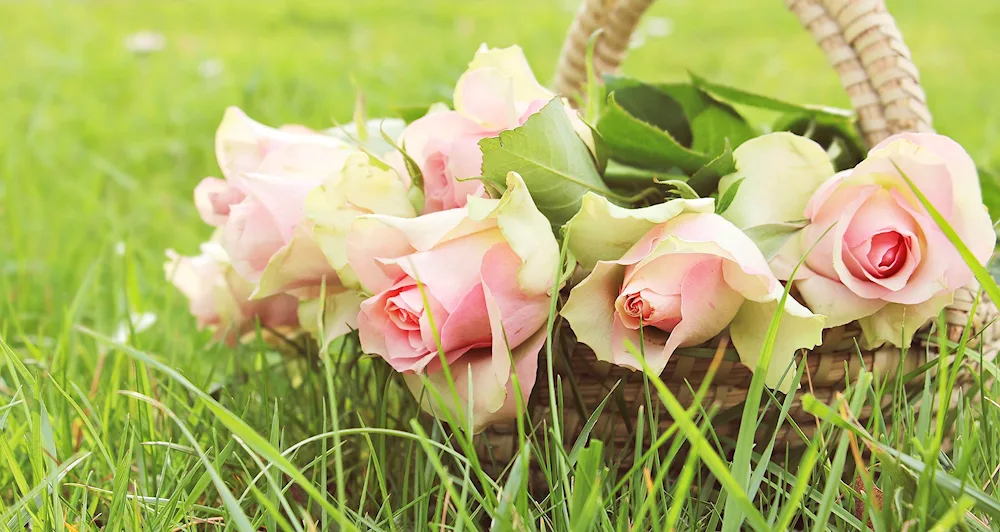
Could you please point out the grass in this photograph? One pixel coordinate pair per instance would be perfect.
(101, 149)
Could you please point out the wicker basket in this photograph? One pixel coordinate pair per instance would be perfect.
(863, 44)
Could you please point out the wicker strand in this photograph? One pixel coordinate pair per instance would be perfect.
(859, 37)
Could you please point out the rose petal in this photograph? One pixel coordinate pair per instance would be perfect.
(970, 218)
(520, 314)
(926, 171)
(362, 189)
(436, 268)
(339, 316)
(465, 161)
(837, 254)
(241, 143)
(896, 323)
(604, 231)
(961, 167)
(880, 213)
(468, 324)
(941, 267)
(649, 342)
(250, 238)
(826, 191)
(213, 198)
(798, 329)
(527, 231)
(492, 400)
(662, 273)
(298, 264)
(487, 96)
(197, 278)
(715, 229)
(375, 239)
(590, 308)
(785, 162)
(708, 304)
(511, 61)
(283, 198)
(834, 300)
(441, 127)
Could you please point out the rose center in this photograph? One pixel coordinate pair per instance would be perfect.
(223, 201)
(648, 308)
(402, 313)
(887, 254)
(637, 307)
(436, 175)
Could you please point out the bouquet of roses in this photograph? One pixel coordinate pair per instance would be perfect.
(662, 213)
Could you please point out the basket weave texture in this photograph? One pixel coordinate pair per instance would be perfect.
(864, 46)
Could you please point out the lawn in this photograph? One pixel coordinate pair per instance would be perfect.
(102, 146)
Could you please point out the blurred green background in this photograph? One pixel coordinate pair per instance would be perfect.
(100, 145)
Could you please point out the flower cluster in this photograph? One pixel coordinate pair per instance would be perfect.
(441, 246)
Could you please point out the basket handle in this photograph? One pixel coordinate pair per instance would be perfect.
(859, 37)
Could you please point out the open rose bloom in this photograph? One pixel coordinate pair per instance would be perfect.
(282, 213)
(676, 275)
(474, 283)
(878, 258)
(498, 92)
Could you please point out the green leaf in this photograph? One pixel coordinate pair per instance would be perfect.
(656, 108)
(706, 180)
(770, 238)
(601, 153)
(503, 519)
(638, 143)
(554, 162)
(586, 496)
(681, 188)
(691, 99)
(584, 435)
(738, 96)
(718, 127)
(727, 199)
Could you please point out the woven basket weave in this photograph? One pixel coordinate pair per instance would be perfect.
(864, 46)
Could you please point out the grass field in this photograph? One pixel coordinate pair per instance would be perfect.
(101, 148)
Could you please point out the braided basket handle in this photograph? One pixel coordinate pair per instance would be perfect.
(859, 38)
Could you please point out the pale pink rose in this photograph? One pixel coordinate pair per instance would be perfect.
(496, 93)
(676, 275)
(260, 206)
(884, 261)
(220, 299)
(241, 144)
(487, 272)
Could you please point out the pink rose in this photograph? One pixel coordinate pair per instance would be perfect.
(241, 145)
(496, 93)
(884, 261)
(219, 298)
(260, 206)
(676, 275)
(487, 272)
